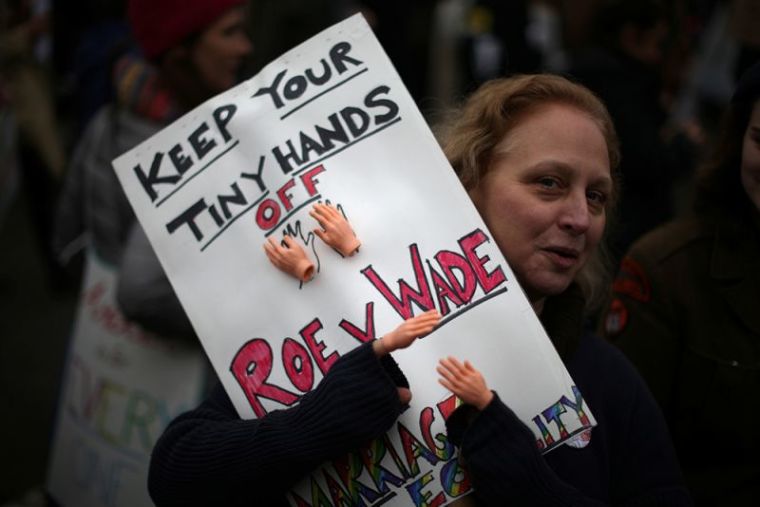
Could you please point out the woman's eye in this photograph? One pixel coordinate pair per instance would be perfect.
(547, 182)
(596, 197)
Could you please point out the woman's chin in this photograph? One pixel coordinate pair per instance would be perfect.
(545, 285)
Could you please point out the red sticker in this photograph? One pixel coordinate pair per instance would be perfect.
(617, 318)
(632, 281)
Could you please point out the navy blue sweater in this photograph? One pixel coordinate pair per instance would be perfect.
(209, 456)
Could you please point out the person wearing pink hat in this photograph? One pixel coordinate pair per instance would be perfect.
(198, 46)
(186, 53)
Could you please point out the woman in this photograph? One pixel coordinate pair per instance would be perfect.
(686, 313)
(536, 154)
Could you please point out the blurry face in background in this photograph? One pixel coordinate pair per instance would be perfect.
(543, 197)
(645, 44)
(750, 171)
(221, 49)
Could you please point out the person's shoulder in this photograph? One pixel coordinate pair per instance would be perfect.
(673, 239)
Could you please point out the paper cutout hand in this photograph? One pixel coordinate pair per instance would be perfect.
(465, 382)
(290, 258)
(407, 332)
(335, 229)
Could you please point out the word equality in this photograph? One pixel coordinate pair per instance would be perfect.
(420, 461)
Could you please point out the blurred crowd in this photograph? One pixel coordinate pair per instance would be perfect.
(666, 70)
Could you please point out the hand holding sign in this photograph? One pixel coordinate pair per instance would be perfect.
(335, 230)
(290, 258)
(465, 382)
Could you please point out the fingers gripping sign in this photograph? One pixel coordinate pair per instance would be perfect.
(465, 382)
(290, 258)
(407, 332)
(335, 229)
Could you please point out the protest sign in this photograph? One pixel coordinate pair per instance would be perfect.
(120, 389)
(330, 121)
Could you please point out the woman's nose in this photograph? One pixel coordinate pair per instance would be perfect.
(575, 216)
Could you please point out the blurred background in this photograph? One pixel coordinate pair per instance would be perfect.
(665, 69)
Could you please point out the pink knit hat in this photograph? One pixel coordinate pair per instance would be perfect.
(158, 25)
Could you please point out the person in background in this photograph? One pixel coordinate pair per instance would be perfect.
(537, 154)
(624, 66)
(685, 311)
(27, 85)
(188, 52)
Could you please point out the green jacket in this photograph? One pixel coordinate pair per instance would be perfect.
(686, 312)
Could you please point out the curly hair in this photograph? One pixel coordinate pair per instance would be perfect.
(472, 133)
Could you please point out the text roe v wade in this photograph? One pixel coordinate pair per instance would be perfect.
(345, 125)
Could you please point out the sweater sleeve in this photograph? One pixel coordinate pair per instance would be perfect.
(505, 465)
(209, 456)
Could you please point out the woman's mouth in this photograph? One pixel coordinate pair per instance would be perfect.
(562, 257)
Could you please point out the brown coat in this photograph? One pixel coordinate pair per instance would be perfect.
(686, 312)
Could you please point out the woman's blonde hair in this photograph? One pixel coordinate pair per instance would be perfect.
(472, 133)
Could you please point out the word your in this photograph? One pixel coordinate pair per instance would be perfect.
(297, 85)
(202, 144)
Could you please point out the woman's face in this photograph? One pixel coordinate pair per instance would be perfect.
(751, 157)
(544, 197)
(221, 49)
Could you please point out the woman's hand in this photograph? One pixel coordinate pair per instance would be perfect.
(465, 382)
(290, 258)
(335, 230)
(406, 333)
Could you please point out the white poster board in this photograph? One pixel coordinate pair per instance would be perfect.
(120, 389)
(331, 121)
